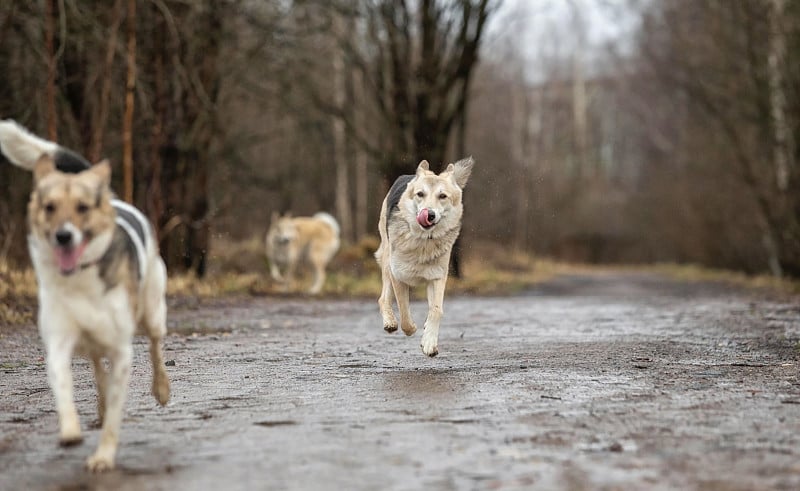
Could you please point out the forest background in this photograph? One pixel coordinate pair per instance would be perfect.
(606, 131)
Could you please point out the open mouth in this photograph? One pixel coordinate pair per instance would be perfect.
(68, 256)
(424, 218)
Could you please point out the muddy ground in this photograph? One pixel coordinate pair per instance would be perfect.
(610, 381)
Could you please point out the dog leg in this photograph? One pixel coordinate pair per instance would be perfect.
(59, 371)
(275, 272)
(290, 269)
(430, 336)
(117, 386)
(319, 278)
(385, 302)
(160, 380)
(101, 381)
(155, 323)
(401, 293)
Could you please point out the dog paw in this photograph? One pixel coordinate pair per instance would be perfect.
(70, 435)
(409, 329)
(161, 391)
(70, 440)
(99, 463)
(429, 345)
(390, 328)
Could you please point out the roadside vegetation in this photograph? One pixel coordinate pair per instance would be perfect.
(241, 269)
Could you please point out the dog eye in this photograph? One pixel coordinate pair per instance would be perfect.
(49, 208)
(82, 208)
(442, 196)
(420, 194)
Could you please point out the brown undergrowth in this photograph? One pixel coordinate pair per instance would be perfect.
(489, 269)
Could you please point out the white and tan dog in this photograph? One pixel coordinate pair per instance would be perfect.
(100, 279)
(420, 220)
(293, 242)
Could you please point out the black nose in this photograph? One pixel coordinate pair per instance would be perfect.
(63, 237)
(431, 215)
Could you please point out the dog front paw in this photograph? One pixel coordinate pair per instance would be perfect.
(429, 344)
(390, 327)
(99, 463)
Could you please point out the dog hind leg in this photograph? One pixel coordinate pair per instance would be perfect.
(385, 301)
(319, 275)
(155, 324)
(401, 293)
(101, 381)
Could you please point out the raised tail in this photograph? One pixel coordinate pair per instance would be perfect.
(327, 218)
(24, 149)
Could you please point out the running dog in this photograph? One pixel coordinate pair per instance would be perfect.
(420, 220)
(100, 280)
(292, 242)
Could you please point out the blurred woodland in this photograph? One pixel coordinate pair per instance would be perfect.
(674, 140)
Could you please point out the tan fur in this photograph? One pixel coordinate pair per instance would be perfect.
(95, 310)
(294, 242)
(410, 254)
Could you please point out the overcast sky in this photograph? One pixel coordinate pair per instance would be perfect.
(530, 27)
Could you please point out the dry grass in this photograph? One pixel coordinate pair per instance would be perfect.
(689, 272)
(240, 268)
(17, 295)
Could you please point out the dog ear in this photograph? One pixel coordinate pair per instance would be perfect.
(461, 171)
(422, 167)
(44, 166)
(102, 170)
(274, 217)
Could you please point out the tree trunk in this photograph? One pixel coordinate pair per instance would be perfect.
(50, 10)
(520, 113)
(361, 170)
(127, 122)
(343, 210)
(101, 114)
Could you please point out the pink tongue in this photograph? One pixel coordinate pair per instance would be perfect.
(68, 258)
(422, 218)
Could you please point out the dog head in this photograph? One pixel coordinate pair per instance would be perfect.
(282, 230)
(436, 199)
(70, 215)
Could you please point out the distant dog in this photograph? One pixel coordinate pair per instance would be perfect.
(100, 280)
(294, 242)
(420, 220)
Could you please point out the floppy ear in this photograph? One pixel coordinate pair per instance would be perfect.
(44, 166)
(422, 167)
(102, 170)
(461, 171)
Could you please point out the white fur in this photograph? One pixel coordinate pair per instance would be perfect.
(22, 147)
(80, 314)
(410, 254)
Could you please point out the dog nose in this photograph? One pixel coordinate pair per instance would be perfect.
(63, 237)
(431, 215)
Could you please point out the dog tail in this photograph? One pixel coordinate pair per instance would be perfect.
(327, 218)
(24, 149)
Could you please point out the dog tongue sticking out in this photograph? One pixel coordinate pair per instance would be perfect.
(422, 218)
(67, 258)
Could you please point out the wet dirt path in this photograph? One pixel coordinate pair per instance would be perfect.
(612, 381)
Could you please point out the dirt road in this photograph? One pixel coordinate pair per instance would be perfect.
(611, 381)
